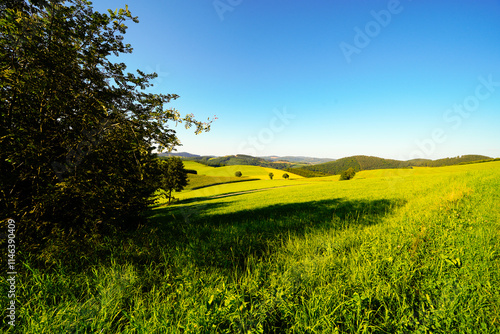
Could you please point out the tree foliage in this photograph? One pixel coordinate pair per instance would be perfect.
(238, 174)
(334, 167)
(286, 176)
(271, 175)
(77, 130)
(305, 172)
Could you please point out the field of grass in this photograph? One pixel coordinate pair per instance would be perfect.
(247, 171)
(391, 251)
(216, 181)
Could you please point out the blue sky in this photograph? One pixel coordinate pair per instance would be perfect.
(394, 79)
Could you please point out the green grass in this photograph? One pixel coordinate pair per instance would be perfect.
(247, 171)
(391, 251)
(214, 181)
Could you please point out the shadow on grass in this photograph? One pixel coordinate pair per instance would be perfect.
(227, 240)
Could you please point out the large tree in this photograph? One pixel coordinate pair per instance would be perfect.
(77, 132)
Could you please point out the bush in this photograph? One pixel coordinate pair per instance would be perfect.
(347, 174)
(238, 174)
(286, 176)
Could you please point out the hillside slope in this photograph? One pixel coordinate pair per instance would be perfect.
(363, 162)
(254, 172)
(298, 159)
(240, 159)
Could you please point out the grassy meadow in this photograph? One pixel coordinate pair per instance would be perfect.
(255, 172)
(390, 251)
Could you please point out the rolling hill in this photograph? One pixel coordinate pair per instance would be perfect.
(179, 154)
(298, 159)
(363, 162)
(239, 159)
(313, 168)
(208, 176)
(248, 171)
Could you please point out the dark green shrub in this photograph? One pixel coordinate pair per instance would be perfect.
(347, 174)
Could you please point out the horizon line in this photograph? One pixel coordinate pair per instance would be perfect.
(315, 157)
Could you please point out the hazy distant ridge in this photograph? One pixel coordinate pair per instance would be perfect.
(237, 159)
(178, 154)
(298, 159)
(318, 166)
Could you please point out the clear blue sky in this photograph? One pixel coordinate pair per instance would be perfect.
(394, 79)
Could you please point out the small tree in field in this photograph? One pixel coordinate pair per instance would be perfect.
(174, 177)
(286, 176)
(271, 175)
(347, 174)
(238, 174)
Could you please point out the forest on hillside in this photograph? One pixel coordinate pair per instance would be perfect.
(362, 162)
(239, 159)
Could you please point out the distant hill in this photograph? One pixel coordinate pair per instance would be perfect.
(257, 161)
(318, 166)
(305, 173)
(239, 159)
(457, 160)
(363, 162)
(178, 154)
(298, 159)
